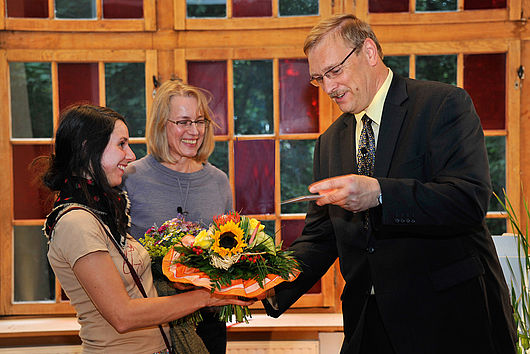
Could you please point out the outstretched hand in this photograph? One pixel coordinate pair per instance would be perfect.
(221, 300)
(355, 193)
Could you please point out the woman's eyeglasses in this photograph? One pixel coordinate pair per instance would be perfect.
(187, 123)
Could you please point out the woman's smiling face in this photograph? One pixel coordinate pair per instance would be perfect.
(184, 141)
(117, 154)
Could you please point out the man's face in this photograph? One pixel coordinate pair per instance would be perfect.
(351, 88)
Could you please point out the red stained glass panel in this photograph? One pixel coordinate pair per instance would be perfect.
(123, 8)
(484, 4)
(251, 8)
(29, 198)
(27, 8)
(291, 229)
(298, 98)
(485, 81)
(254, 176)
(388, 5)
(78, 82)
(212, 76)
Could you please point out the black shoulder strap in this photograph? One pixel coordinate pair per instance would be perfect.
(120, 251)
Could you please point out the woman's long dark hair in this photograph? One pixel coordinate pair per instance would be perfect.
(83, 134)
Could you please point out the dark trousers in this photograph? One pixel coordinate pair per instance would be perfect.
(212, 332)
(375, 339)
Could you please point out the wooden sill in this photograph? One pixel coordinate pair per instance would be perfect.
(17, 331)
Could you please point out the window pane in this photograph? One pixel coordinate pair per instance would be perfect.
(253, 107)
(123, 9)
(398, 63)
(219, 157)
(31, 100)
(75, 9)
(436, 5)
(78, 83)
(298, 7)
(31, 200)
(496, 226)
(484, 4)
(254, 176)
(487, 71)
(211, 76)
(298, 98)
(251, 8)
(388, 5)
(436, 68)
(34, 278)
(206, 8)
(125, 93)
(27, 8)
(270, 227)
(296, 171)
(496, 146)
(140, 150)
(291, 229)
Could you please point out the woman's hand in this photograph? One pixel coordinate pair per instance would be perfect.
(221, 300)
(184, 287)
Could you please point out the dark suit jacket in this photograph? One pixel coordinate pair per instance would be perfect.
(438, 282)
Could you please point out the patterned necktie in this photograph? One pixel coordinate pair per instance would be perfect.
(366, 156)
(366, 150)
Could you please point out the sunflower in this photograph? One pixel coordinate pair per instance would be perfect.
(228, 240)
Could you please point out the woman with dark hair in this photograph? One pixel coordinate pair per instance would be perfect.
(104, 271)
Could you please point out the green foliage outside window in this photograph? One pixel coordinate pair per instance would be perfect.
(205, 8)
(436, 68)
(219, 157)
(75, 9)
(125, 93)
(436, 5)
(296, 171)
(496, 147)
(253, 106)
(31, 85)
(399, 64)
(298, 7)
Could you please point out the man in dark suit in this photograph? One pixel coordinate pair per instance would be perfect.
(422, 275)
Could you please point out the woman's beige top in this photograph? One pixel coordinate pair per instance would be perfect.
(77, 234)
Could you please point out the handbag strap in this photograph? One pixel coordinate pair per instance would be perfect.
(134, 275)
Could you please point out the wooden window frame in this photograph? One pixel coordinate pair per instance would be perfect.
(147, 23)
(7, 221)
(181, 22)
(512, 12)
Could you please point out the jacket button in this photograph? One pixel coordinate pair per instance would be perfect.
(370, 250)
(396, 220)
(408, 221)
(402, 221)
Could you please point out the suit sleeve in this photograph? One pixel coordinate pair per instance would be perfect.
(315, 249)
(452, 187)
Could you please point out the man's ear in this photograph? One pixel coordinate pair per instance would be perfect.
(370, 51)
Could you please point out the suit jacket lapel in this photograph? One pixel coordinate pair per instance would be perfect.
(347, 144)
(393, 115)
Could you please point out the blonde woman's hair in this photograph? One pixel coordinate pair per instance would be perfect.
(348, 27)
(156, 136)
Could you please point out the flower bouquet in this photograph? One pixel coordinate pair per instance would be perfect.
(233, 257)
(158, 241)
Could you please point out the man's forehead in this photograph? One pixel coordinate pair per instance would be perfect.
(325, 54)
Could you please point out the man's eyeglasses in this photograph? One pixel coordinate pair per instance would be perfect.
(331, 73)
(186, 123)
